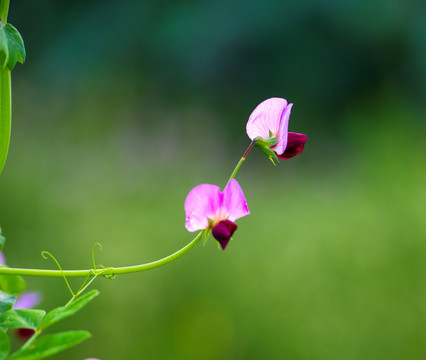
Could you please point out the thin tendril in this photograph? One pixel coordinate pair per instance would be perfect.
(82, 286)
(94, 273)
(45, 255)
(95, 267)
(93, 254)
(110, 276)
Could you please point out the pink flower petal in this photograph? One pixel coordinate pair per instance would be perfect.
(2, 259)
(295, 145)
(27, 300)
(271, 115)
(283, 131)
(202, 204)
(234, 203)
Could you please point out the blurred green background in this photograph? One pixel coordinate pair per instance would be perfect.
(123, 106)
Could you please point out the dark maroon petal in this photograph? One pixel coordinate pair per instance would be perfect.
(295, 145)
(223, 231)
(24, 334)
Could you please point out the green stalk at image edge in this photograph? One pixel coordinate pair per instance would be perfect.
(5, 114)
(5, 96)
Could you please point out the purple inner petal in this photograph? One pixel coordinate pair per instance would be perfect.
(295, 145)
(24, 334)
(223, 231)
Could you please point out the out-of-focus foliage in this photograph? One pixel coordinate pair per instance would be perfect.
(36, 344)
(230, 54)
(123, 107)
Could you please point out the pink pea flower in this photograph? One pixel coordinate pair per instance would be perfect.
(206, 207)
(26, 300)
(269, 120)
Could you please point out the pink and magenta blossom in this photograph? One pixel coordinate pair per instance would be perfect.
(26, 300)
(270, 120)
(207, 207)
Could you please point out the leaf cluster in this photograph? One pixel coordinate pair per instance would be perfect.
(39, 346)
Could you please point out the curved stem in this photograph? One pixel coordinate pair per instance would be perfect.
(105, 272)
(234, 173)
(109, 272)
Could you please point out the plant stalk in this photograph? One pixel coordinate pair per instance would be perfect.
(234, 173)
(5, 114)
(4, 10)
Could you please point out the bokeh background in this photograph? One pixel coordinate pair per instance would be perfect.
(123, 106)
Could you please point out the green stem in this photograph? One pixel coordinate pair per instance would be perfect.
(120, 270)
(4, 10)
(234, 173)
(5, 114)
(104, 272)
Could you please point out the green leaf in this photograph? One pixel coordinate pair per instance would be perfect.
(12, 284)
(64, 312)
(4, 345)
(49, 345)
(6, 301)
(22, 318)
(12, 49)
(2, 241)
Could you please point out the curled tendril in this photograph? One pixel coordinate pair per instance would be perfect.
(46, 255)
(93, 254)
(105, 272)
(109, 276)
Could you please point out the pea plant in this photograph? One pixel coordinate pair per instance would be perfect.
(208, 209)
